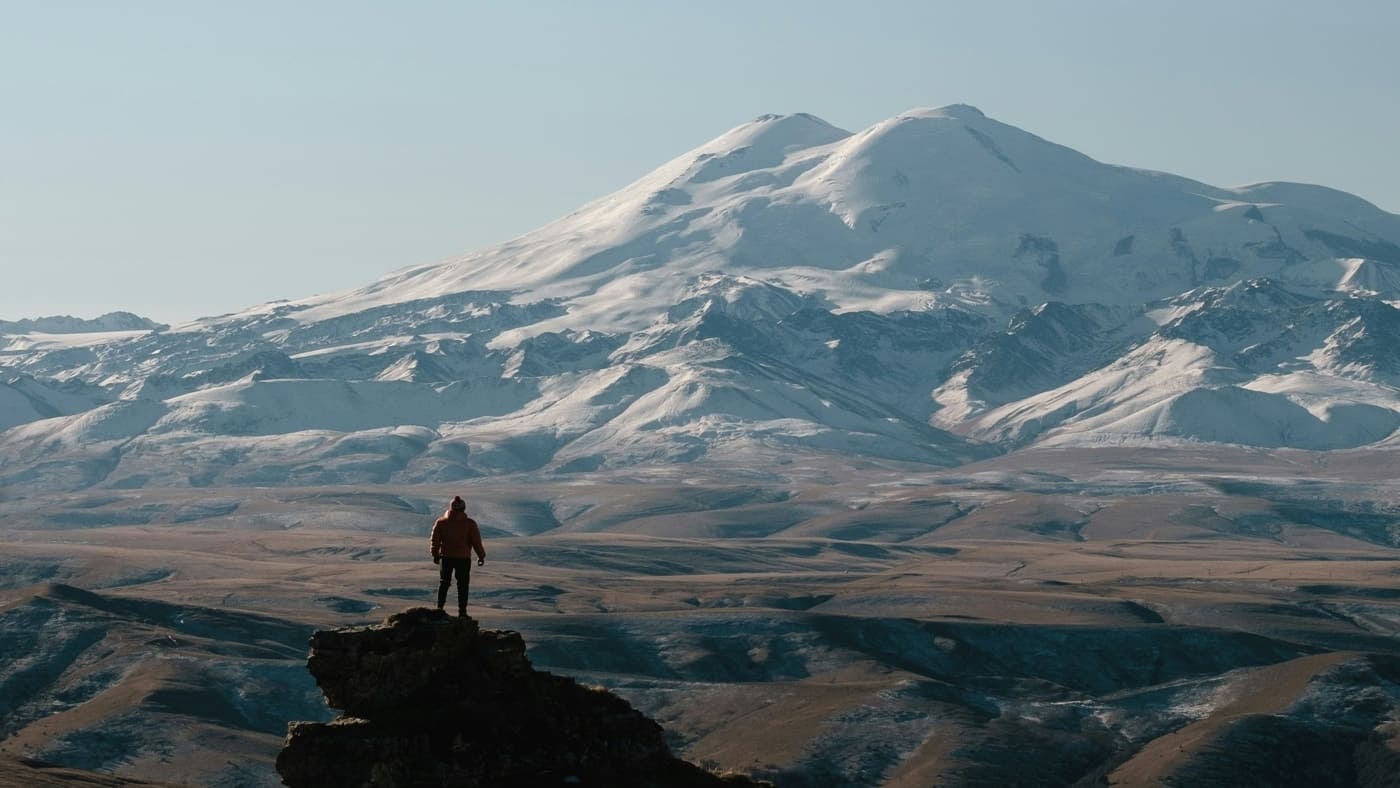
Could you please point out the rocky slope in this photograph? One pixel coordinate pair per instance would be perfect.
(106, 682)
(430, 700)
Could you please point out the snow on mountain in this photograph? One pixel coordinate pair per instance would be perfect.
(1251, 364)
(1041, 348)
(37, 341)
(280, 406)
(931, 289)
(1177, 391)
(24, 398)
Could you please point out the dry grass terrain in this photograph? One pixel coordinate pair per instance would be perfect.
(1047, 618)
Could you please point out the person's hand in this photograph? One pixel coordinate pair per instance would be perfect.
(436, 559)
(481, 562)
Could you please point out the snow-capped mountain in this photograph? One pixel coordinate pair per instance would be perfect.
(934, 289)
(932, 207)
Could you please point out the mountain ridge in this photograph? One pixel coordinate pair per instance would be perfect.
(67, 324)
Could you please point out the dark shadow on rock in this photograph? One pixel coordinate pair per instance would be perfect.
(432, 700)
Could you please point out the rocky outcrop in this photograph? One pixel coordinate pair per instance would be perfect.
(429, 700)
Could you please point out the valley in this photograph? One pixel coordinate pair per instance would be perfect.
(1124, 618)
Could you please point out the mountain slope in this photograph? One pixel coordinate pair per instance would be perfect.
(114, 683)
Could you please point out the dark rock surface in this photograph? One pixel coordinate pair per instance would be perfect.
(430, 700)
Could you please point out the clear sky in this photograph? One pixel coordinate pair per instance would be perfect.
(194, 157)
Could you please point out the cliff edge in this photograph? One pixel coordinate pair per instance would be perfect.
(431, 700)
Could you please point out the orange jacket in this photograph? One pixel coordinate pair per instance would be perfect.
(455, 535)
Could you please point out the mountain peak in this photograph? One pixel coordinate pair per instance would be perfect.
(794, 117)
(954, 111)
(765, 141)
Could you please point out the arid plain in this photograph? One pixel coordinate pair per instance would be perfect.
(1050, 617)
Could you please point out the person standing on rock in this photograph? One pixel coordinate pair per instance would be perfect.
(455, 536)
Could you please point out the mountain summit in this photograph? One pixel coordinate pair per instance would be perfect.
(937, 206)
(934, 289)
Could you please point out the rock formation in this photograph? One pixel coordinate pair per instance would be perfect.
(432, 700)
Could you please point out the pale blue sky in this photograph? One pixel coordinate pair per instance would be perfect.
(186, 158)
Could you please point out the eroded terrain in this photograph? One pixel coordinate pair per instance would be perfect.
(1049, 617)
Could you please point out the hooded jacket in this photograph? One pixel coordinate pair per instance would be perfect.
(455, 535)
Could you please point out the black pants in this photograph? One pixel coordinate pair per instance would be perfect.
(463, 568)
